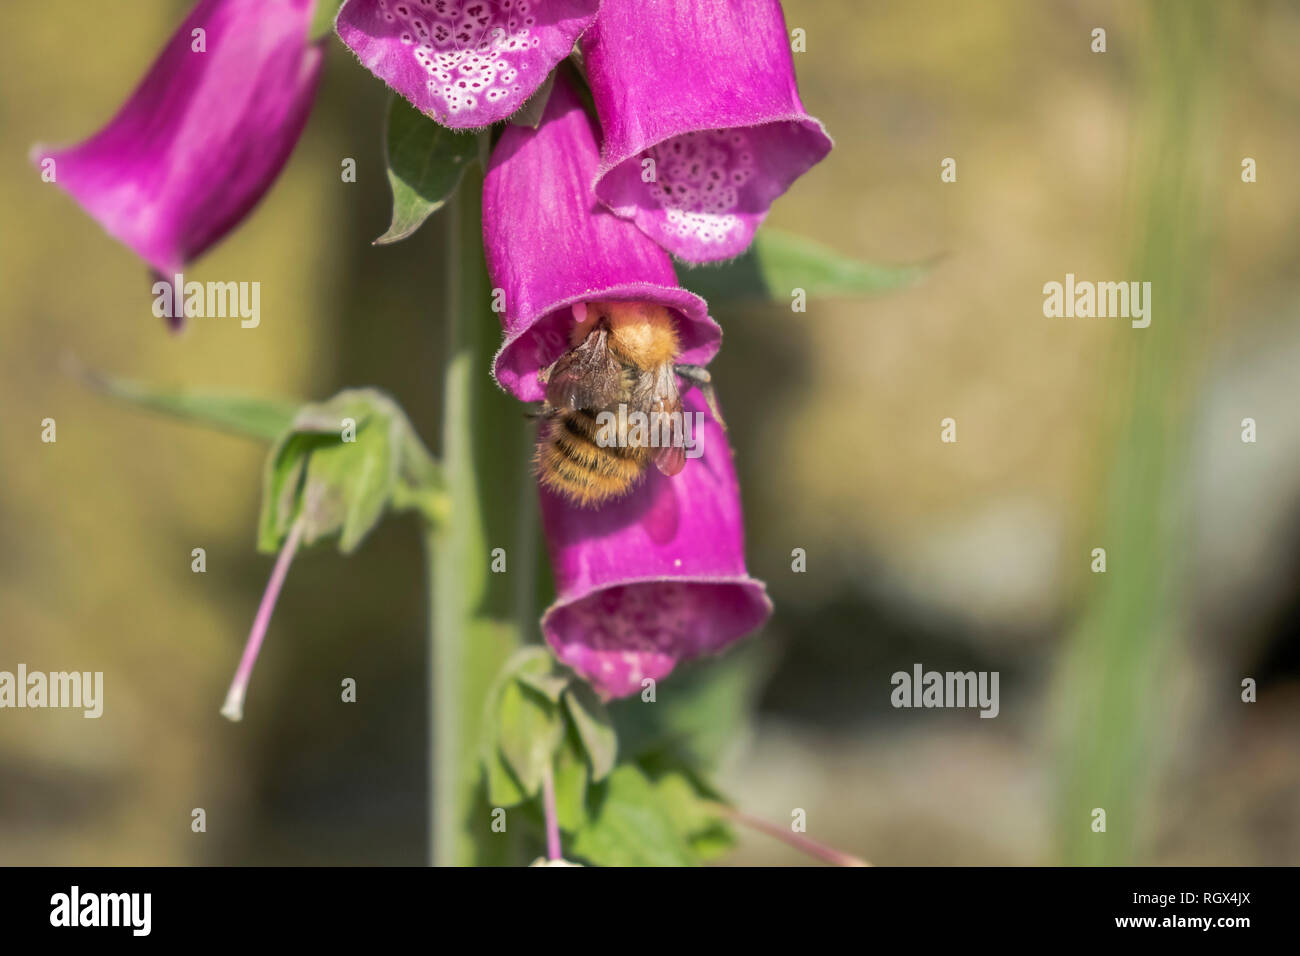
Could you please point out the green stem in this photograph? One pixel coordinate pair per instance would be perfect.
(478, 616)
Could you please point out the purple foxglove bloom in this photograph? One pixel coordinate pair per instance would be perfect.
(655, 577)
(204, 135)
(550, 245)
(705, 88)
(465, 63)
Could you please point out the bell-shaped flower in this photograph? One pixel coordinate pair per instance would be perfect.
(655, 577)
(702, 121)
(465, 63)
(551, 246)
(205, 134)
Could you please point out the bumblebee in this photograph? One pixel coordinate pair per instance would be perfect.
(622, 360)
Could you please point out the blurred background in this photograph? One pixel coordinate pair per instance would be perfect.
(1119, 690)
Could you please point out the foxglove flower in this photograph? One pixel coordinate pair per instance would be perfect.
(465, 63)
(653, 578)
(550, 245)
(205, 134)
(706, 90)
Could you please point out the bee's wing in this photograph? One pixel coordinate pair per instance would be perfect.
(671, 458)
(588, 376)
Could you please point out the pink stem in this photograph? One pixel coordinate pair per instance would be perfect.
(796, 840)
(552, 819)
(233, 709)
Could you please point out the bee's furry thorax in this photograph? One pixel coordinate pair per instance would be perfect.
(641, 335)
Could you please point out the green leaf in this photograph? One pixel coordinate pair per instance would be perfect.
(631, 826)
(503, 787)
(713, 842)
(529, 729)
(263, 418)
(530, 666)
(322, 20)
(694, 814)
(425, 165)
(594, 727)
(778, 263)
(700, 713)
(571, 778)
(535, 667)
(550, 686)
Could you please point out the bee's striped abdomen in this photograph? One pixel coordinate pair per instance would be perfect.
(572, 462)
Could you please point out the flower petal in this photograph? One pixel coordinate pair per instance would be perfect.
(706, 89)
(466, 63)
(205, 134)
(549, 245)
(653, 578)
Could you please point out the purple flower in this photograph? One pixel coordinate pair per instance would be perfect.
(466, 63)
(655, 577)
(706, 89)
(204, 135)
(550, 245)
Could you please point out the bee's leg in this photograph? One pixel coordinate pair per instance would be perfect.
(699, 376)
(539, 412)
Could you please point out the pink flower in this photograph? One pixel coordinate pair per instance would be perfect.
(654, 578)
(205, 134)
(466, 63)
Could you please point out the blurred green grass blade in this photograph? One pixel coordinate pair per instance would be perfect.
(1117, 691)
(779, 262)
(264, 418)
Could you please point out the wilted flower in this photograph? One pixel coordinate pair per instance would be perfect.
(550, 245)
(703, 126)
(204, 135)
(466, 64)
(653, 578)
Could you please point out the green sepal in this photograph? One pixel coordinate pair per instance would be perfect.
(529, 730)
(630, 825)
(338, 487)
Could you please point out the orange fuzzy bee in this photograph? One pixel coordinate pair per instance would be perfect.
(623, 354)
